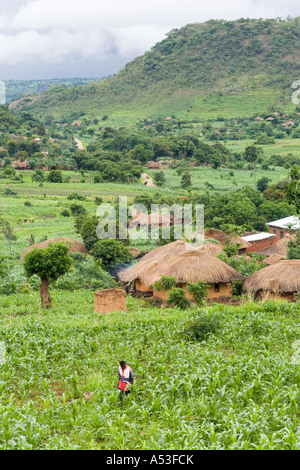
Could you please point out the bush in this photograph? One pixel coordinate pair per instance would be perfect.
(98, 200)
(87, 274)
(199, 291)
(65, 213)
(165, 282)
(77, 209)
(55, 176)
(112, 254)
(77, 196)
(98, 178)
(204, 326)
(178, 299)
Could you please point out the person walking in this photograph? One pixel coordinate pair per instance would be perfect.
(125, 379)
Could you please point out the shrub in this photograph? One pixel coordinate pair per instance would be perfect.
(55, 176)
(98, 200)
(112, 254)
(199, 291)
(77, 196)
(204, 326)
(98, 178)
(65, 213)
(165, 282)
(77, 209)
(178, 299)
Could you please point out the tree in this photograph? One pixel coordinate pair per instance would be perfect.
(8, 233)
(49, 264)
(159, 178)
(251, 155)
(294, 247)
(111, 253)
(186, 180)
(263, 184)
(55, 176)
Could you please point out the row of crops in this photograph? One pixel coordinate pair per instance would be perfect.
(237, 389)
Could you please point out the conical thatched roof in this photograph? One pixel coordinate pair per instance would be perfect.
(75, 246)
(139, 270)
(211, 248)
(279, 248)
(175, 248)
(192, 266)
(279, 278)
(273, 259)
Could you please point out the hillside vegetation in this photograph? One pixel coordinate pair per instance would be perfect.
(205, 70)
(17, 88)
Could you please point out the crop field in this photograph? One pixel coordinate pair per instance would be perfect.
(221, 181)
(237, 389)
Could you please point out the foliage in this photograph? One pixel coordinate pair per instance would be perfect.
(204, 326)
(48, 263)
(165, 282)
(177, 298)
(112, 254)
(294, 247)
(55, 176)
(199, 291)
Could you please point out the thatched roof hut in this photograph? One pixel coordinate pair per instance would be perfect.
(75, 246)
(193, 266)
(279, 248)
(174, 248)
(211, 248)
(279, 279)
(273, 259)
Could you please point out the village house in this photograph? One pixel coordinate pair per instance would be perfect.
(282, 227)
(18, 165)
(188, 265)
(259, 241)
(281, 279)
(194, 266)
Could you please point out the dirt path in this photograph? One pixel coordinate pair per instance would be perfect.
(79, 144)
(147, 180)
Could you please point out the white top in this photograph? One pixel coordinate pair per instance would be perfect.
(287, 222)
(258, 236)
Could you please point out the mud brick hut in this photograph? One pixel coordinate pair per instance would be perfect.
(281, 279)
(282, 227)
(193, 266)
(136, 272)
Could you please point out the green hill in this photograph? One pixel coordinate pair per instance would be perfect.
(206, 70)
(16, 89)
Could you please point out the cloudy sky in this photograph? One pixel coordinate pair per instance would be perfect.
(93, 38)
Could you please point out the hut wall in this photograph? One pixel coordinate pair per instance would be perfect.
(142, 290)
(224, 293)
(271, 295)
(261, 244)
(110, 300)
(279, 232)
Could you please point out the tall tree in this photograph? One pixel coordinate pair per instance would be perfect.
(49, 264)
(8, 233)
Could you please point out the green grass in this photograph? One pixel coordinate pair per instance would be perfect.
(222, 181)
(236, 390)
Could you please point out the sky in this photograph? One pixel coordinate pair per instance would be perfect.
(94, 38)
